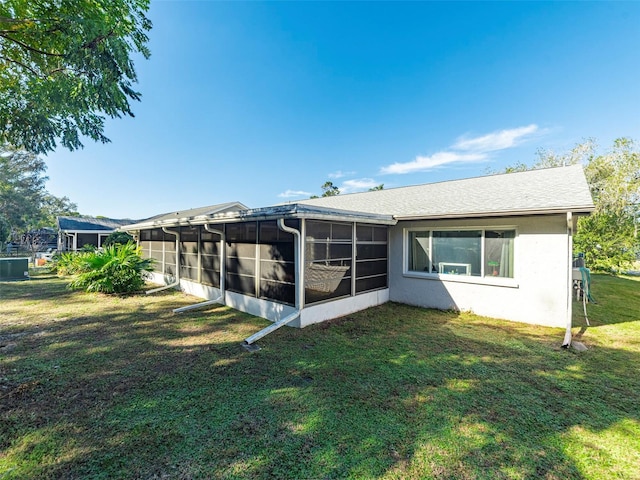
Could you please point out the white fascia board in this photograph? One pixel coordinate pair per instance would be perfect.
(507, 213)
(69, 232)
(233, 217)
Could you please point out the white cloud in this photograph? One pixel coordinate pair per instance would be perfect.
(341, 174)
(439, 159)
(466, 150)
(499, 140)
(350, 186)
(294, 193)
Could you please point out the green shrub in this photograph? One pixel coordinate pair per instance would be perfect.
(115, 269)
(118, 238)
(67, 263)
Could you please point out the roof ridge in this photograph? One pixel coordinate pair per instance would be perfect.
(466, 179)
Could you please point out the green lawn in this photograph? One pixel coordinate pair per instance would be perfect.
(106, 387)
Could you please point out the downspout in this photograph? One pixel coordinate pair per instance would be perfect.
(176, 282)
(298, 292)
(567, 335)
(220, 298)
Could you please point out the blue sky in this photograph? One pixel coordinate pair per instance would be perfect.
(264, 102)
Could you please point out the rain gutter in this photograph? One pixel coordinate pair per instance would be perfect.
(298, 295)
(567, 335)
(220, 298)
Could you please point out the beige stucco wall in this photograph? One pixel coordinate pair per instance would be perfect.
(537, 294)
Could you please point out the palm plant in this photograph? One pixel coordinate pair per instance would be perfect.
(115, 269)
(66, 263)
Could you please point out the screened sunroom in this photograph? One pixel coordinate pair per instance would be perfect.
(274, 262)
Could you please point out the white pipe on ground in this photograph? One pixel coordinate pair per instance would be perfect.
(274, 326)
(221, 297)
(176, 282)
(218, 299)
(292, 316)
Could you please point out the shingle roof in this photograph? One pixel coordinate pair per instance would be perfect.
(90, 223)
(174, 217)
(548, 190)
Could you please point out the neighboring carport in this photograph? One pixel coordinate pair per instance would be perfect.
(76, 232)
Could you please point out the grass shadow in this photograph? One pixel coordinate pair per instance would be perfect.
(127, 389)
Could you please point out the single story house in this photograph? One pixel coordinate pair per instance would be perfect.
(76, 232)
(499, 245)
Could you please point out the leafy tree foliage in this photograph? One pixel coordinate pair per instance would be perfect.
(24, 202)
(66, 64)
(609, 241)
(609, 236)
(5, 229)
(329, 189)
(119, 238)
(52, 207)
(22, 183)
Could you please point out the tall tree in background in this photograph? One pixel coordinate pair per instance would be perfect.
(53, 207)
(64, 66)
(329, 189)
(609, 236)
(21, 186)
(24, 202)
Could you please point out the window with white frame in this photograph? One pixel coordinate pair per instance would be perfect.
(478, 252)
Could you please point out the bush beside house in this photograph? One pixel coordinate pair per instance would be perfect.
(117, 268)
